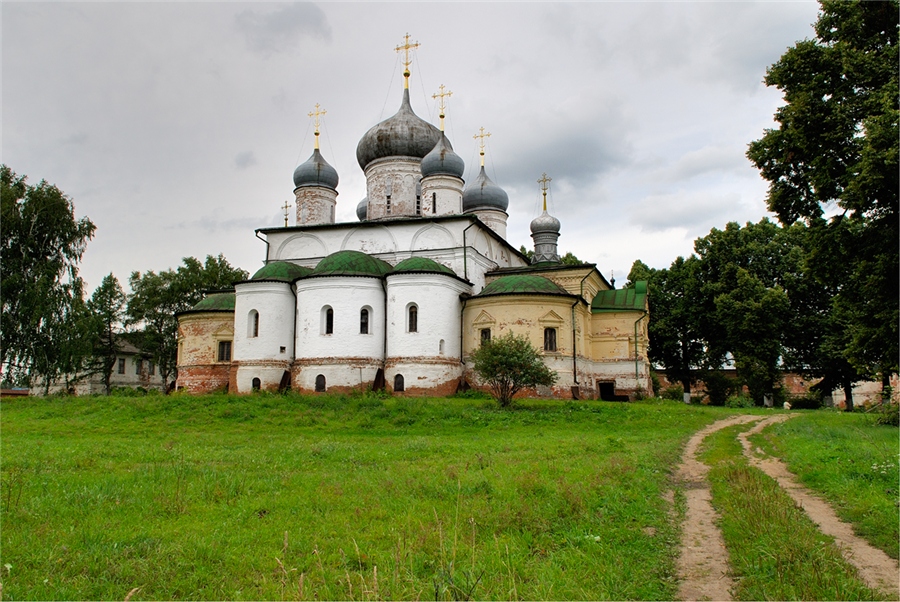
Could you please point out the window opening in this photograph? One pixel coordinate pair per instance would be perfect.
(413, 319)
(253, 325)
(398, 383)
(434, 203)
(138, 366)
(329, 321)
(320, 383)
(224, 351)
(121, 365)
(485, 335)
(549, 339)
(364, 321)
(256, 384)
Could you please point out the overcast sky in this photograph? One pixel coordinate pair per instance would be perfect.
(176, 127)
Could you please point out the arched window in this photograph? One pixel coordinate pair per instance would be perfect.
(320, 383)
(398, 383)
(485, 335)
(441, 347)
(364, 321)
(549, 339)
(327, 320)
(256, 384)
(412, 322)
(253, 324)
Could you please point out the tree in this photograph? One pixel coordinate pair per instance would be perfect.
(509, 364)
(41, 244)
(837, 147)
(156, 298)
(107, 310)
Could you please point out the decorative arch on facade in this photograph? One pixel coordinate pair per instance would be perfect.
(432, 236)
(370, 240)
(301, 246)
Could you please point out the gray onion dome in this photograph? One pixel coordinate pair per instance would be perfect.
(316, 172)
(403, 135)
(362, 209)
(484, 194)
(442, 160)
(544, 223)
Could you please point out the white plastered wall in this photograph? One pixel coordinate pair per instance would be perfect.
(267, 355)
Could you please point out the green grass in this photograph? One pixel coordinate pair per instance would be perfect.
(776, 551)
(350, 497)
(851, 462)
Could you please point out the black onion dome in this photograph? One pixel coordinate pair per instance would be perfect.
(484, 194)
(544, 223)
(403, 135)
(316, 172)
(442, 160)
(362, 209)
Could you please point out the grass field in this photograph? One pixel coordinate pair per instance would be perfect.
(340, 497)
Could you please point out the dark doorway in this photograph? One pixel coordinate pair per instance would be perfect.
(607, 392)
(320, 383)
(256, 384)
(398, 383)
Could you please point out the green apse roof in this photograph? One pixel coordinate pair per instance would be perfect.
(623, 299)
(422, 264)
(281, 270)
(351, 263)
(216, 302)
(522, 283)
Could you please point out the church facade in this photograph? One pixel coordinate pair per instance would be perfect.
(402, 297)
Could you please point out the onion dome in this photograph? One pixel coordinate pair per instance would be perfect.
(403, 135)
(362, 209)
(484, 194)
(351, 263)
(316, 172)
(442, 160)
(517, 284)
(544, 223)
(422, 264)
(216, 302)
(284, 271)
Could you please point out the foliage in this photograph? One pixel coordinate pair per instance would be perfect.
(888, 414)
(673, 392)
(811, 401)
(156, 298)
(107, 309)
(739, 401)
(41, 243)
(567, 259)
(508, 364)
(720, 386)
(837, 147)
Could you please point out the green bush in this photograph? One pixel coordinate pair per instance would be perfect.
(888, 414)
(811, 401)
(654, 383)
(673, 392)
(719, 387)
(740, 401)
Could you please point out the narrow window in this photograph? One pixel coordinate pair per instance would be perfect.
(151, 368)
(256, 384)
(253, 324)
(434, 203)
(122, 365)
(320, 383)
(441, 347)
(549, 339)
(485, 335)
(388, 190)
(418, 205)
(138, 366)
(329, 321)
(398, 383)
(364, 321)
(388, 205)
(224, 351)
(413, 321)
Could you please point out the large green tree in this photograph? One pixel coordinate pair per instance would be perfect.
(107, 311)
(157, 297)
(833, 163)
(41, 244)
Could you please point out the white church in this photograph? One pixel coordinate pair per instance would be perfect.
(399, 299)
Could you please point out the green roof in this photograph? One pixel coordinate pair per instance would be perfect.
(422, 264)
(216, 302)
(281, 270)
(351, 263)
(522, 283)
(623, 299)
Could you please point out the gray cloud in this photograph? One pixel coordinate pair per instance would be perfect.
(279, 30)
(245, 159)
(695, 212)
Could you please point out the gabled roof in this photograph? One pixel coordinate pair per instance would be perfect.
(623, 299)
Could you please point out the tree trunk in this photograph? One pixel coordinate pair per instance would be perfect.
(848, 396)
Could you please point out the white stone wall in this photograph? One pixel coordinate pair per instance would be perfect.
(397, 175)
(275, 302)
(346, 296)
(447, 191)
(315, 205)
(493, 219)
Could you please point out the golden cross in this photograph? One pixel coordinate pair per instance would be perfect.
(406, 47)
(544, 181)
(482, 136)
(442, 106)
(316, 114)
(288, 205)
